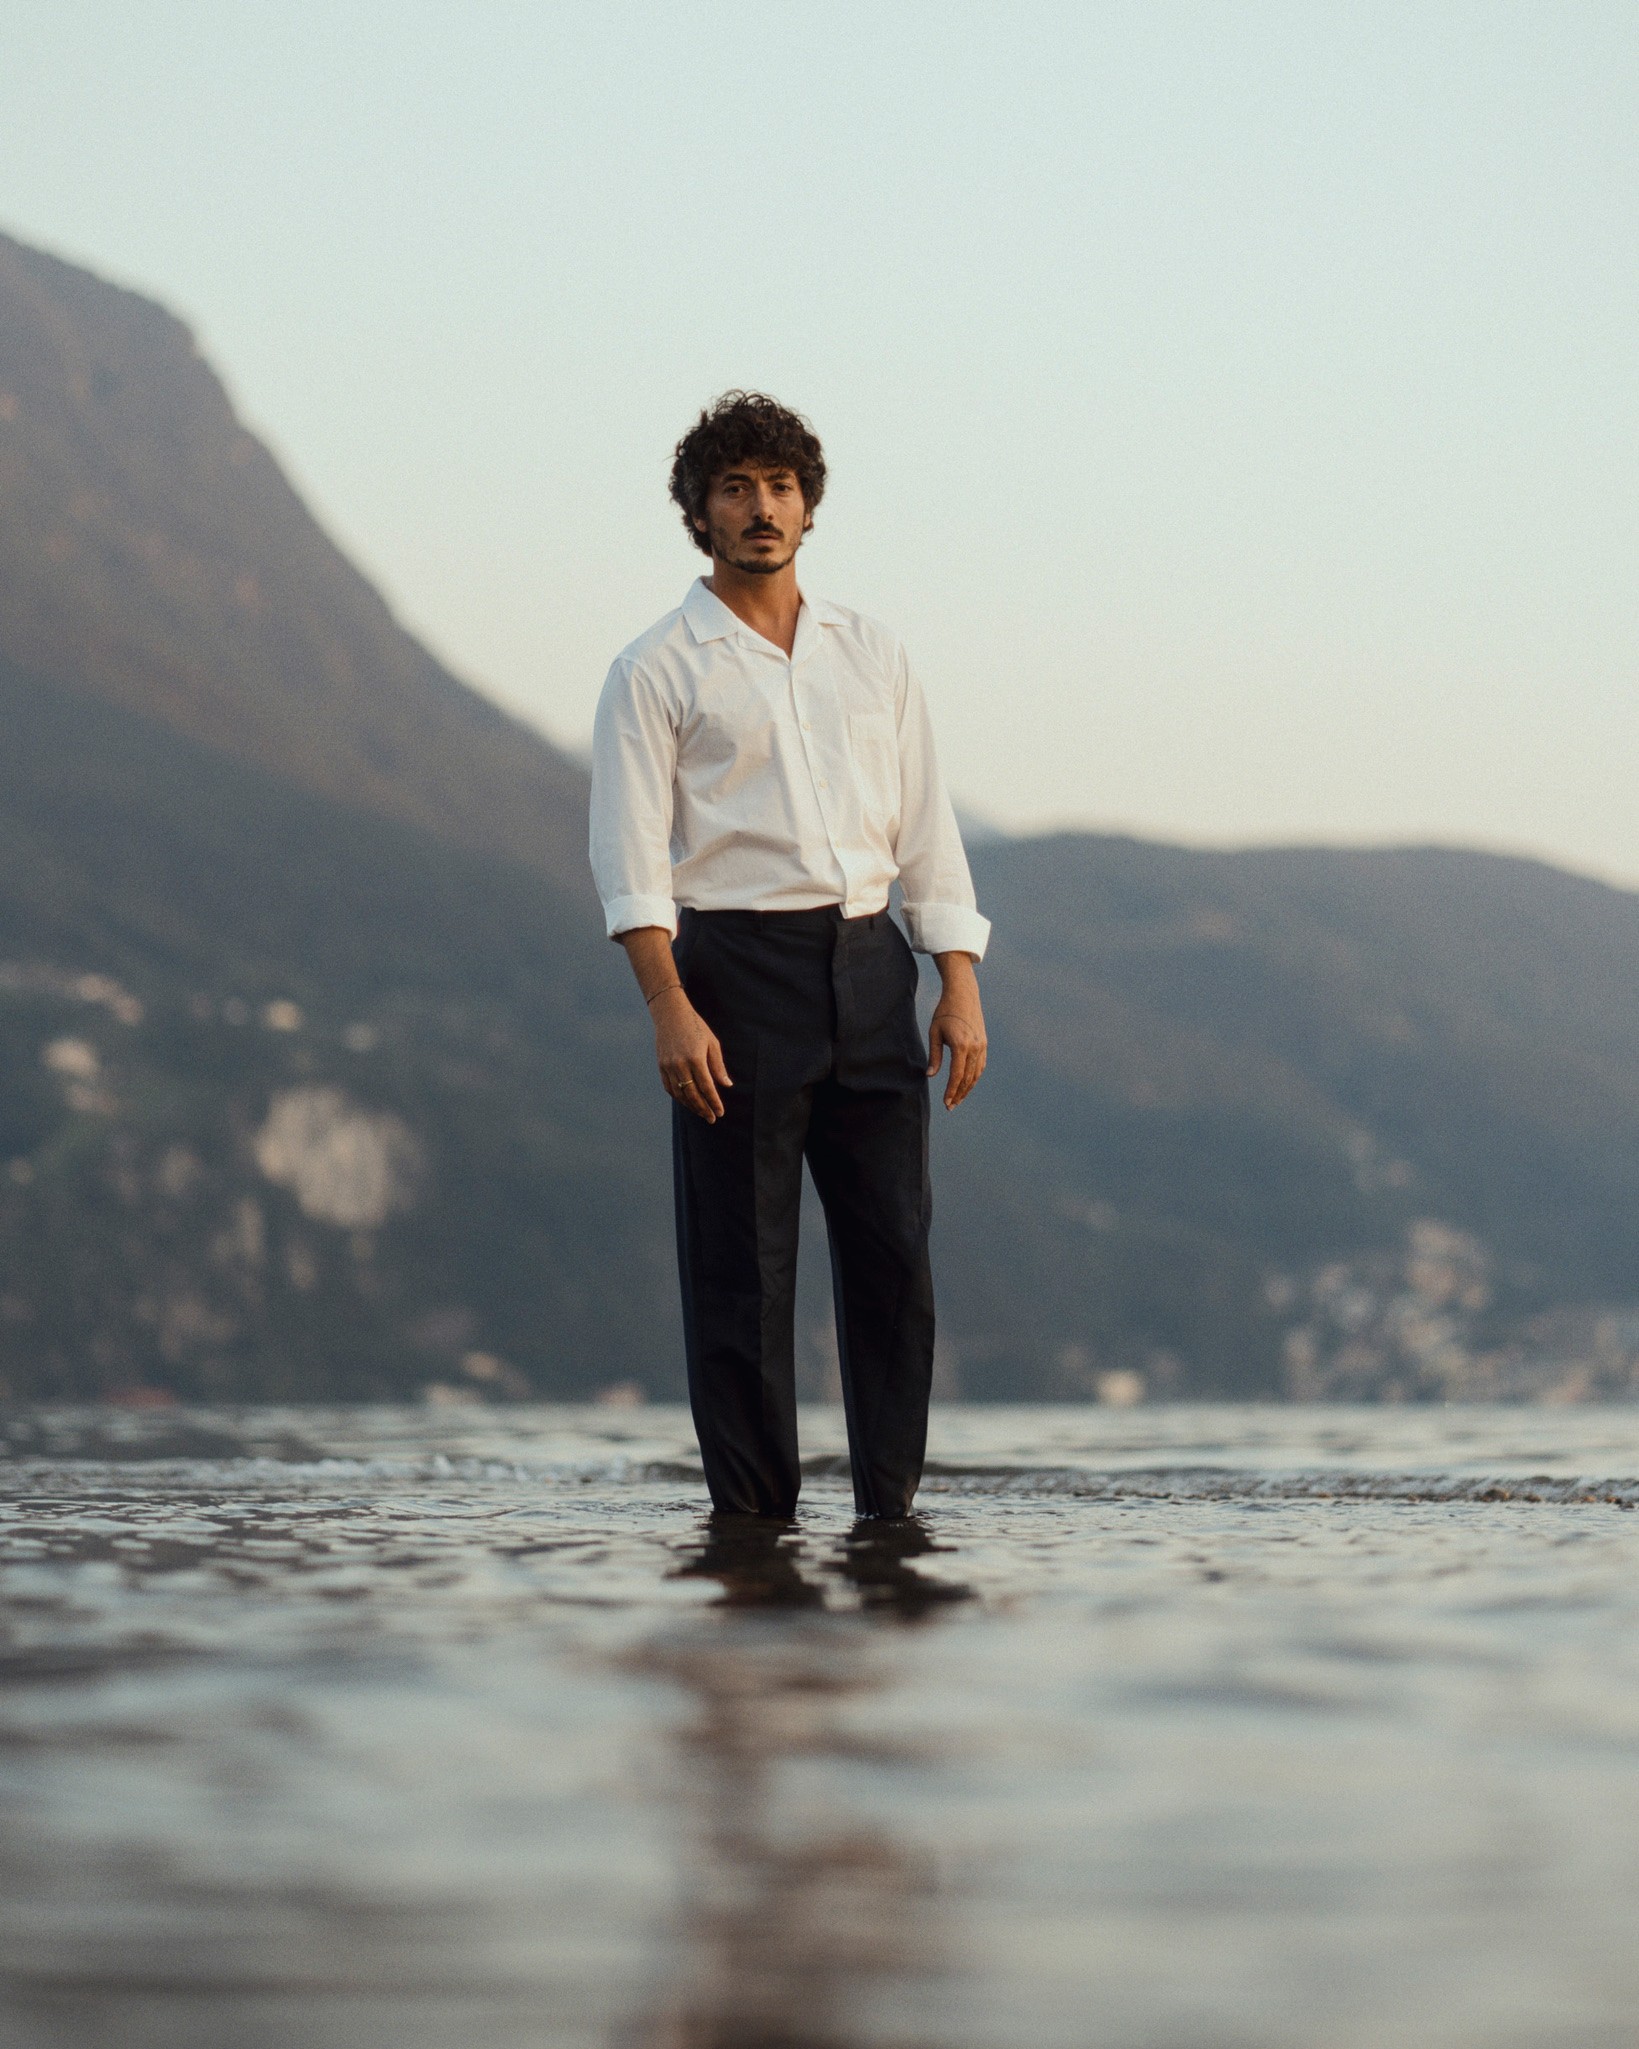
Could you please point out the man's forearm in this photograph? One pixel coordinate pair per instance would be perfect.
(957, 971)
(649, 949)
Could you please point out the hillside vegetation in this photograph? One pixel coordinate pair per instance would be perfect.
(1230, 1081)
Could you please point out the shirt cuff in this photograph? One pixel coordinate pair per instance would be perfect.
(632, 913)
(947, 928)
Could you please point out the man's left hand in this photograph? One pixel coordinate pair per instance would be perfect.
(959, 1023)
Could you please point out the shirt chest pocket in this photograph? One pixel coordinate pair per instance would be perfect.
(873, 744)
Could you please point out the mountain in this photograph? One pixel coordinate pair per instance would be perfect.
(154, 556)
(318, 1079)
(296, 1100)
(314, 1063)
(1349, 1121)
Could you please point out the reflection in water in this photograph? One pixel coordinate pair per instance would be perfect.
(442, 1728)
(803, 1915)
(758, 1561)
(876, 1558)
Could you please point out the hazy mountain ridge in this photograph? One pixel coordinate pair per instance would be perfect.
(153, 553)
(1272, 1061)
(318, 1078)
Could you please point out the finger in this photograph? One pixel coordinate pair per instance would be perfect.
(680, 1086)
(965, 1076)
(690, 1098)
(954, 1089)
(717, 1066)
(705, 1090)
(936, 1046)
(975, 1067)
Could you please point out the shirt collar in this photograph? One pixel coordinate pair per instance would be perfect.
(710, 619)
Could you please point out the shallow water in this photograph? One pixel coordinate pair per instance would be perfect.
(1167, 1729)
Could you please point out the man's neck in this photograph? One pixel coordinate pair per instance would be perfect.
(768, 604)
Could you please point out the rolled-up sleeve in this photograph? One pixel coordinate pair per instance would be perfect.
(634, 758)
(941, 913)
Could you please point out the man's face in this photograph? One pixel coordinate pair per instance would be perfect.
(755, 518)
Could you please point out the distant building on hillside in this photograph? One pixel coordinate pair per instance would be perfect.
(1411, 1326)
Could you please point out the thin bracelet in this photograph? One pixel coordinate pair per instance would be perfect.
(670, 986)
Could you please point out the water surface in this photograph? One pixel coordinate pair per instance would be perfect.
(1168, 1729)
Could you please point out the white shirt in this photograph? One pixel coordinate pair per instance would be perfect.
(729, 776)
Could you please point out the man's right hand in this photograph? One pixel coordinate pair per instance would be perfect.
(685, 1046)
(688, 1054)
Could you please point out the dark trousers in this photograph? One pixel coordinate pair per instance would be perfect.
(817, 1018)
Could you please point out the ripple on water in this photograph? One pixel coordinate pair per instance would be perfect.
(1220, 1726)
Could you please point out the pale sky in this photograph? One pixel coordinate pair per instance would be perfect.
(1235, 407)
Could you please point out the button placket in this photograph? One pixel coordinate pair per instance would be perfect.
(822, 784)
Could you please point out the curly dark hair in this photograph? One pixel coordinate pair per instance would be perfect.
(744, 427)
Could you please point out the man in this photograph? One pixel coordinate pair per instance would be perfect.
(764, 762)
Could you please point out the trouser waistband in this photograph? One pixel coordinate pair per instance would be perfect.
(821, 917)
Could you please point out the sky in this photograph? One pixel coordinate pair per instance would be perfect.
(1234, 407)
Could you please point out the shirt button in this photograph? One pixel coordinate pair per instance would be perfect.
(824, 785)
(805, 725)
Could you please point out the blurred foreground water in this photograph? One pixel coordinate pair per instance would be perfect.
(1167, 1729)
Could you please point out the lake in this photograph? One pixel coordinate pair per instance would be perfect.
(1160, 1728)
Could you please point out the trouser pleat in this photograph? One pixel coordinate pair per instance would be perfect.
(738, 1206)
(868, 1154)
